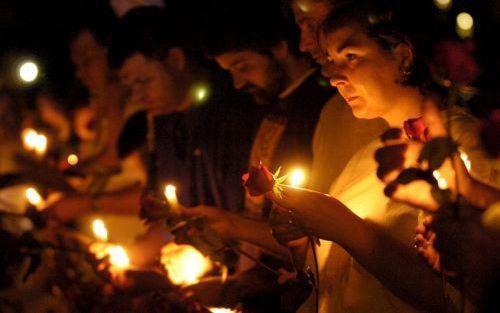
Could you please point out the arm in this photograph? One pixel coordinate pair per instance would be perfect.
(397, 267)
(231, 226)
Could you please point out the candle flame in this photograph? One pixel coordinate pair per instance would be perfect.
(442, 184)
(221, 310)
(34, 197)
(297, 177)
(41, 144)
(465, 159)
(170, 193)
(99, 229)
(72, 159)
(184, 264)
(118, 256)
(30, 137)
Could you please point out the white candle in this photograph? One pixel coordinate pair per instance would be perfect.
(171, 195)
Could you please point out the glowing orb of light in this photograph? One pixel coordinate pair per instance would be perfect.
(465, 24)
(297, 177)
(443, 4)
(72, 159)
(34, 198)
(100, 230)
(28, 71)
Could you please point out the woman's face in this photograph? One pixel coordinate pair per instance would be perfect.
(366, 76)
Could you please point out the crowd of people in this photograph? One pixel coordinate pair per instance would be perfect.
(400, 208)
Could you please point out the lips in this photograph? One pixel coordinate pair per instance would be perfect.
(350, 99)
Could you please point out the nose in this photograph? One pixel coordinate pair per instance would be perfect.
(335, 73)
(307, 42)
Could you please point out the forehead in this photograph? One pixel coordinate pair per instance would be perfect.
(133, 65)
(315, 11)
(343, 37)
(230, 59)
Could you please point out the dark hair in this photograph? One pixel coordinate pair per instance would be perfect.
(256, 26)
(98, 18)
(147, 30)
(389, 25)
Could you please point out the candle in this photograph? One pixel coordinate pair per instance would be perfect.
(297, 177)
(171, 195)
(221, 310)
(442, 184)
(34, 198)
(41, 145)
(465, 159)
(184, 264)
(30, 137)
(100, 230)
(72, 159)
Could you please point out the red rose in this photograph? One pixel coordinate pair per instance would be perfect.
(152, 208)
(415, 129)
(258, 180)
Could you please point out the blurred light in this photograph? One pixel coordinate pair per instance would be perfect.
(221, 310)
(442, 184)
(170, 192)
(118, 256)
(41, 144)
(465, 24)
(201, 93)
(28, 71)
(100, 230)
(465, 159)
(443, 4)
(297, 177)
(72, 159)
(304, 5)
(34, 198)
(30, 138)
(184, 264)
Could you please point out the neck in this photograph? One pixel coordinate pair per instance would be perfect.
(407, 105)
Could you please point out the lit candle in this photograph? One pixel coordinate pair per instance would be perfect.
(442, 184)
(30, 137)
(34, 198)
(297, 177)
(118, 257)
(72, 159)
(465, 159)
(184, 264)
(171, 195)
(100, 230)
(41, 145)
(221, 310)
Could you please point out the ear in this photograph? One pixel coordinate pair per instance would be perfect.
(280, 50)
(176, 59)
(405, 55)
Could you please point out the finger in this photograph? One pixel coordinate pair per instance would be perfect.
(193, 211)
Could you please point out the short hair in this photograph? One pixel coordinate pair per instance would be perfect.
(256, 26)
(389, 25)
(146, 30)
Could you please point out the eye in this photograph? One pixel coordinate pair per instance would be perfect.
(351, 57)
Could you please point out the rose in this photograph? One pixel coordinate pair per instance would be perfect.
(258, 180)
(416, 129)
(152, 208)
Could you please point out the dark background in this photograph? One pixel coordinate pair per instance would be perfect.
(39, 30)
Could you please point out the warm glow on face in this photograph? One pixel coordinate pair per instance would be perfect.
(100, 230)
(185, 265)
(33, 197)
(72, 159)
(118, 257)
(28, 72)
(465, 159)
(297, 177)
(442, 184)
